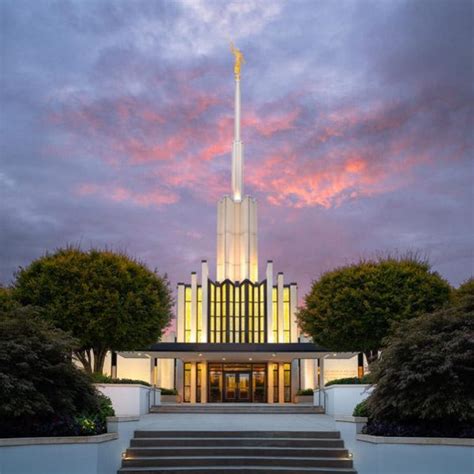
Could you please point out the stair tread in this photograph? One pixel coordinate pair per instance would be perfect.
(161, 438)
(298, 458)
(241, 468)
(302, 448)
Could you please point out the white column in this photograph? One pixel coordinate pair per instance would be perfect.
(295, 378)
(293, 305)
(180, 378)
(193, 307)
(270, 302)
(204, 311)
(203, 382)
(180, 314)
(281, 383)
(270, 366)
(193, 382)
(281, 314)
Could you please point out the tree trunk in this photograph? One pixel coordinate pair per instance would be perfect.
(372, 356)
(83, 356)
(99, 359)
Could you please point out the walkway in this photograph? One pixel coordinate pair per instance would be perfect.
(237, 422)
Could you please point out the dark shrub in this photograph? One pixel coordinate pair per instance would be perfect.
(367, 378)
(308, 391)
(361, 409)
(97, 377)
(41, 392)
(424, 381)
(168, 391)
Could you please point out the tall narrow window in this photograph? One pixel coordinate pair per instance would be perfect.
(275, 384)
(287, 382)
(198, 381)
(199, 314)
(187, 382)
(275, 314)
(187, 314)
(286, 314)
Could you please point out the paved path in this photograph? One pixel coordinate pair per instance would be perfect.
(237, 422)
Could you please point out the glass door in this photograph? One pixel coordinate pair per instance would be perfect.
(230, 392)
(244, 387)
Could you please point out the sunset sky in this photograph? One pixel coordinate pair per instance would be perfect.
(357, 124)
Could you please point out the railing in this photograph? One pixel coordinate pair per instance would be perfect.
(152, 396)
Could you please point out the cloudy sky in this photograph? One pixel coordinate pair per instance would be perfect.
(116, 129)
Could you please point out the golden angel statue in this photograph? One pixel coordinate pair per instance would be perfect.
(239, 60)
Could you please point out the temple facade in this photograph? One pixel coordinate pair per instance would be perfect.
(237, 338)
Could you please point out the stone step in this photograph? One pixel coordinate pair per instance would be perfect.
(223, 408)
(237, 451)
(237, 442)
(238, 434)
(236, 470)
(228, 460)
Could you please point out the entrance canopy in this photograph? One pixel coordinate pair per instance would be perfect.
(218, 352)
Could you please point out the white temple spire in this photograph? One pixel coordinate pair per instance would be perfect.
(237, 146)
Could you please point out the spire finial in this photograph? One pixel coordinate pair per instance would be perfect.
(239, 60)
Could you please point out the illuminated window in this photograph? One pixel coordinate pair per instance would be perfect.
(187, 314)
(199, 313)
(275, 314)
(237, 312)
(287, 382)
(286, 314)
(187, 382)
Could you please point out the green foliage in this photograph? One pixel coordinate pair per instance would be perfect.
(168, 391)
(307, 391)
(367, 378)
(352, 308)
(466, 289)
(98, 377)
(426, 372)
(361, 409)
(41, 391)
(107, 301)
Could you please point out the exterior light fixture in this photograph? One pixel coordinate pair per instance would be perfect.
(350, 455)
(250, 358)
(223, 358)
(124, 455)
(200, 355)
(334, 354)
(273, 355)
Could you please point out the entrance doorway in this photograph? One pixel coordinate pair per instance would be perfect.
(237, 382)
(237, 387)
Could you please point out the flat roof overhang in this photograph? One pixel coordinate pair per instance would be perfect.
(238, 352)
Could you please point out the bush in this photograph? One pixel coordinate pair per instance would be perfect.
(41, 392)
(424, 382)
(168, 391)
(97, 377)
(367, 378)
(361, 409)
(307, 391)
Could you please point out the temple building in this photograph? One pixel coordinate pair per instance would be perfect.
(237, 338)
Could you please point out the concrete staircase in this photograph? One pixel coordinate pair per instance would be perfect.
(237, 452)
(221, 408)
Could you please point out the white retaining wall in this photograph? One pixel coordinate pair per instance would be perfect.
(342, 399)
(130, 399)
(393, 455)
(101, 454)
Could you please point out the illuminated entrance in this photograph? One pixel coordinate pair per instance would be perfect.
(237, 383)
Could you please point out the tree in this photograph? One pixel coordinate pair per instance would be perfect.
(107, 301)
(352, 308)
(465, 289)
(38, 382)
(425, 375)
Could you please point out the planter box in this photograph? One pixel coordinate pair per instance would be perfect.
(169, 398)
(395, 455)
(306, 399)
(341, 399)
(60, 454)
(129, 399)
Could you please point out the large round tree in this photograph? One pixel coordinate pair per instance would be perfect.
(352, 308)
(106, 300)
